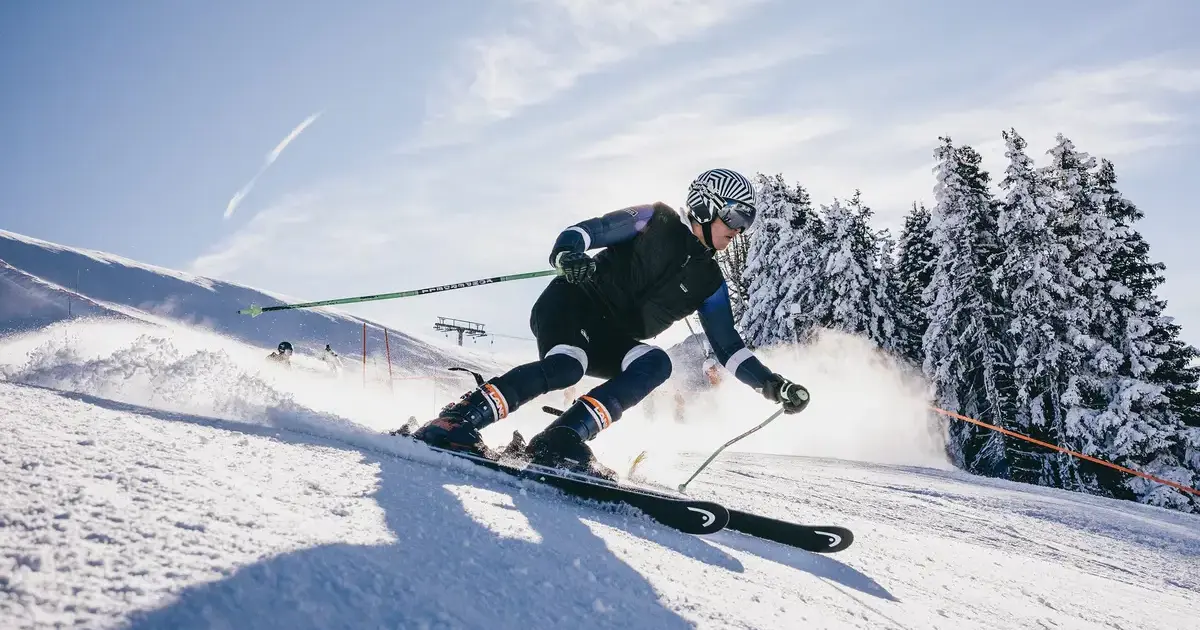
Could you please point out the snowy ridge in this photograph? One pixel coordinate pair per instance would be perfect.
(43, 276)
(28, 302)
(109, 259)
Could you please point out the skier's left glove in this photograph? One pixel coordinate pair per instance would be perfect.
(792, 396)
(576, 267)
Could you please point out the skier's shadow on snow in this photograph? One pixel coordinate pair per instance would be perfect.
(553, 573)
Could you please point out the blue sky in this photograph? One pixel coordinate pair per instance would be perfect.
(453, 141)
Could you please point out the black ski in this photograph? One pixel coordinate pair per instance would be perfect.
(692, 516)
(814, 538)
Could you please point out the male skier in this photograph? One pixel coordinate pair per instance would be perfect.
(282, 354)
(658, 267)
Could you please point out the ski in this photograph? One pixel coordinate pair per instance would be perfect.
(691, 516)
(814, 538)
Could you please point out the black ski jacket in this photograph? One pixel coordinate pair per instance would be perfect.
(654, 272)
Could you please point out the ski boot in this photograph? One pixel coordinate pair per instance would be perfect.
(563, 444)
(457, 426)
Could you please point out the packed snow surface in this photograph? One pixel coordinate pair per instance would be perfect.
(169, 478)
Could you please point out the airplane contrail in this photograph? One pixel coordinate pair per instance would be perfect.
(270, 159)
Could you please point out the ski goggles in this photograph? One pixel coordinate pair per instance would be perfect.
(737, 215)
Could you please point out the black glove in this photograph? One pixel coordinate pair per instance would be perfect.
(793, 397)
(575, 267)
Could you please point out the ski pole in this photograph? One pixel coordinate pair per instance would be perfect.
(255, 310)
(723, 446)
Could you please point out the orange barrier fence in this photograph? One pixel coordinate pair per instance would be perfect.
(1060, 449)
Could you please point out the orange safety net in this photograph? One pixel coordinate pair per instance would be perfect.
(1060, 449)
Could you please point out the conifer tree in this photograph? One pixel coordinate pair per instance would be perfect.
(890, 321)
(1086, 231)
(847, 269)
(1035, 282)
(807, 303)
(914, 270)
(765, 320)
(1136, 280)
(966, 344)
(854, 293)
(1147, 394)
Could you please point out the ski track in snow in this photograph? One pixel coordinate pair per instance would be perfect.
(120, 516)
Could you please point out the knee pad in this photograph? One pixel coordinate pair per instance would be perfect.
(644, 368)
(650, 362)
(564, 366)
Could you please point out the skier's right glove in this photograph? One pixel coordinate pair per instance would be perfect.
(575, 267)
(792, 396)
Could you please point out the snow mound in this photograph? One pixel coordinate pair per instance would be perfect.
(191, 371)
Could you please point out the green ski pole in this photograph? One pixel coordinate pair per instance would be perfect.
(255, 310)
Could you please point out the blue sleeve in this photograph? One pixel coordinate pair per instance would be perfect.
(602, 231)
(716, 317)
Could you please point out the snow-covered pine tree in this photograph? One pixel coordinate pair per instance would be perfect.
(889, 325)
(1152, 394)
(1081, 227)
(765, 320)
(853, 295)
(1035, 282)
(804, 292)
(914, 270)
(803, 216)
(845, 282)
(793, 251)
(1136, 280)
(966, 344)
(1109, 414)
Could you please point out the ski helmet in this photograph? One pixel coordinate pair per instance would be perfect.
(722, 194)
(285, 347)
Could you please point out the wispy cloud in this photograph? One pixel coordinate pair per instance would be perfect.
(550, 47)
(270, 159)
(1116, 111)
(1120, 109)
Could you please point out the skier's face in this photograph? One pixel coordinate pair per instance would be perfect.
(722, 234)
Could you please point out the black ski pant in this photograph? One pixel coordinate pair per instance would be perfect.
(573, 339)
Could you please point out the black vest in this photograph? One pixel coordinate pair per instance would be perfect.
(655, 279)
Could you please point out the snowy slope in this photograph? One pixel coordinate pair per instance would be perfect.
(39, 278)
(150, 479)
(122, 516)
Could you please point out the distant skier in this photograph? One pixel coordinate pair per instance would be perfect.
(332, 359)
(696, 390)
(712, 370)
(282, 354)
(658, 267)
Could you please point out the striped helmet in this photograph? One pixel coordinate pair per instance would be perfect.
(722, 194)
